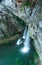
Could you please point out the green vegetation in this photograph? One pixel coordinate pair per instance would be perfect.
(35, 55)
(34, 60)
(18, 62)
(27, 3)
(32, 63)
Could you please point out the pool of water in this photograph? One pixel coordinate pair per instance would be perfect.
(11, 55)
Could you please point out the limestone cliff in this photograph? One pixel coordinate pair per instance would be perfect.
(31, 13)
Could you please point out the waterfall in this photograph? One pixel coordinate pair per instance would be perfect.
(24, 34)
(18, 42)
(26, 47)
(26, 42)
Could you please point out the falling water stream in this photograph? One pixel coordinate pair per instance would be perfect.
(19, 41)
(26, 42)
(27, 39)
(24, 33)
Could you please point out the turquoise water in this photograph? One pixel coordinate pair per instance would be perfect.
(11, 55)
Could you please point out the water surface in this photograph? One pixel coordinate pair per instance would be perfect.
(10, 55)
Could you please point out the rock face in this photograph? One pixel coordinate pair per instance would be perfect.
(34, 21)
(10, 24)
(32, 15)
